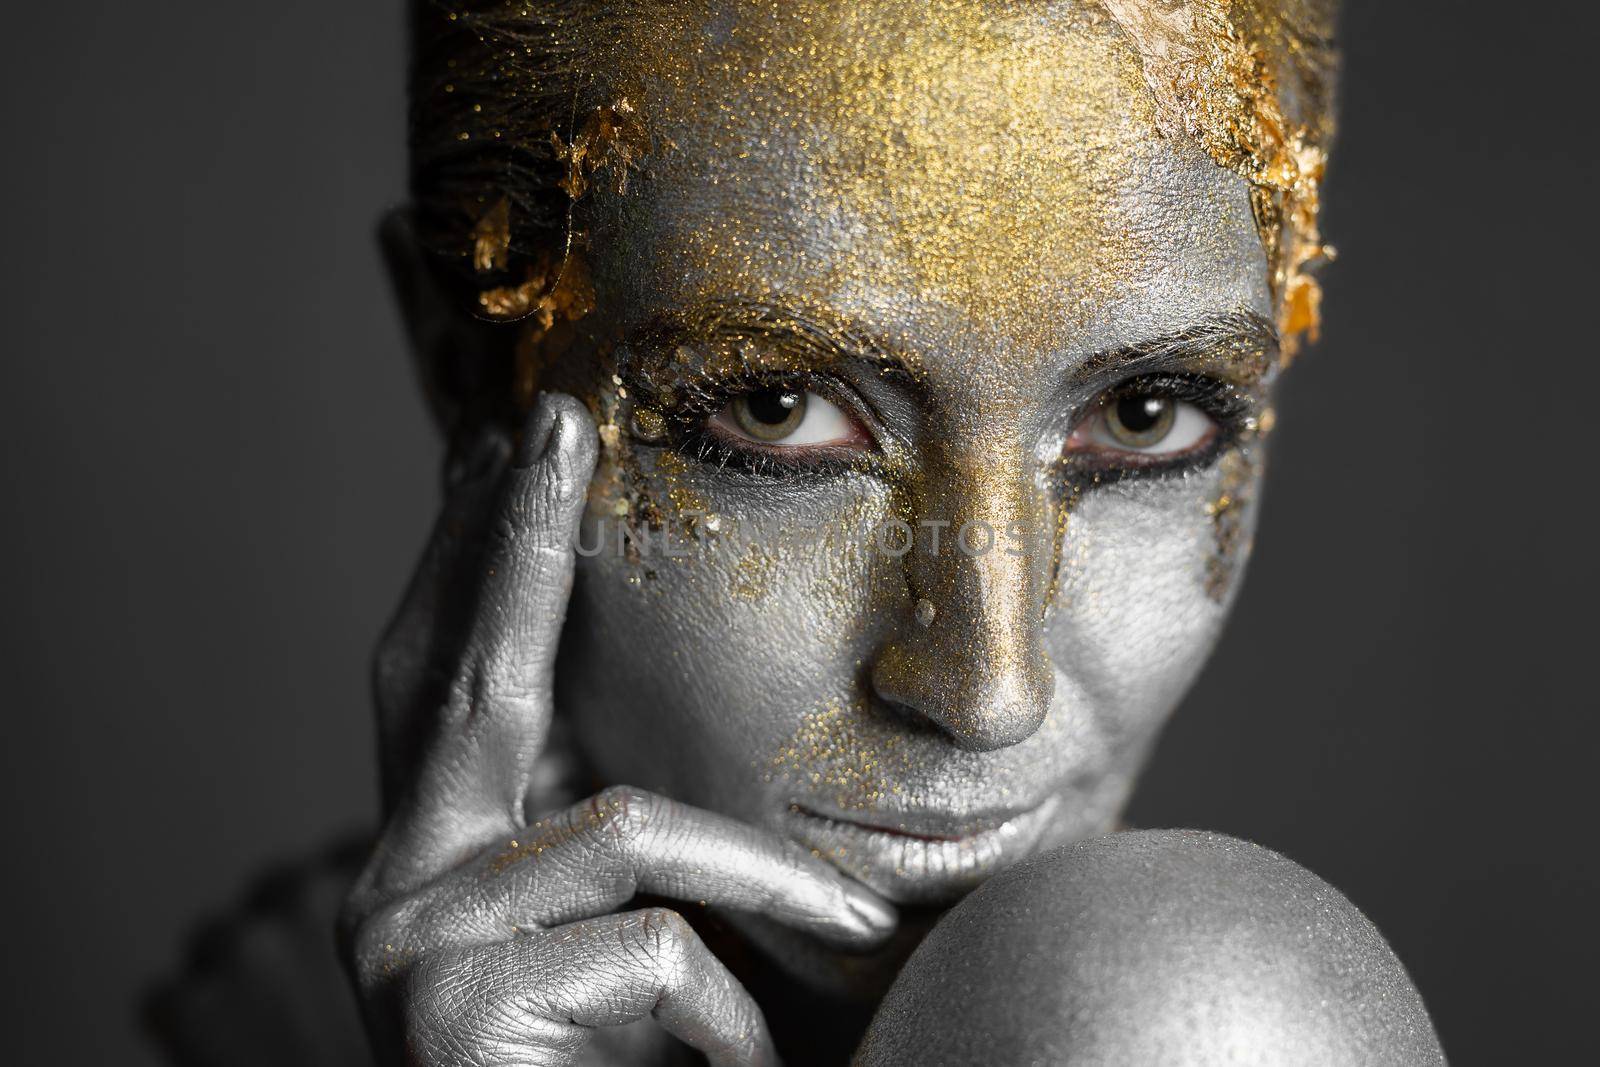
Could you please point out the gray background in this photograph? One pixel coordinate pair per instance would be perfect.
(216, 475)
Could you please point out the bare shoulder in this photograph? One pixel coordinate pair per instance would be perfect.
(1162, 947)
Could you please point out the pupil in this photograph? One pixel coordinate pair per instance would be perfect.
(1139, 414)
(772, 406)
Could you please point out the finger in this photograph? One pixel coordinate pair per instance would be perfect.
(596, 856)
(523, 1000)
(415, 660)
(469, 788)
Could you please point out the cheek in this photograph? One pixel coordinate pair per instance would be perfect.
(1147, 574)
(693, 670)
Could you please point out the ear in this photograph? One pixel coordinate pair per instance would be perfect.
(461, 362)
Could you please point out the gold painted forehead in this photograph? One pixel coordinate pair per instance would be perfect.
(968, 159)
(1249, 81)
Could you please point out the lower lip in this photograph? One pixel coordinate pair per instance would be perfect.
(918, 869)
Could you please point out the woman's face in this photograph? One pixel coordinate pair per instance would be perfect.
(883, 272)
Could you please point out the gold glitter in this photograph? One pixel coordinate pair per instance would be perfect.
(1213, 84)
(492, 238)
(552, 299)
(648, 424)
(612, 139)
(672, 467)
(548, 833)
(838, 753)
(1229, 514)
(962, 138)
(752, 575)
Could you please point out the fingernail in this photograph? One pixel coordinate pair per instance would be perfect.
(877, 913)
(537, 432)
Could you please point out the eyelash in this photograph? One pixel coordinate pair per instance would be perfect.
(1224, 403)
(688, 435)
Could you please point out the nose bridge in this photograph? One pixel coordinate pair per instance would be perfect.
(971, 659)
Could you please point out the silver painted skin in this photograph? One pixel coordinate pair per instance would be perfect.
(1154, 948)
(488, 931)
(1169, 947)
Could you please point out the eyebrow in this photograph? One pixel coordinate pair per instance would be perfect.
(802, 335)
(1240, 344)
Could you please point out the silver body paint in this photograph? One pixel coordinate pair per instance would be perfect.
(803, 751)
(1169, 947)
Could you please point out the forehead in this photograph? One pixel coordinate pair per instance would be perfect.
(959, 179)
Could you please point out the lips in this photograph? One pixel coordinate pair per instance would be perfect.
(920, 858)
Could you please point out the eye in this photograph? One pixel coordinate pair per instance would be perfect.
(1143, 424)
(786, 417)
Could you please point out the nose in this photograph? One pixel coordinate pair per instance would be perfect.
(970, 659)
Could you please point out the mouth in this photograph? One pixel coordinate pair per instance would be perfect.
(919, 858)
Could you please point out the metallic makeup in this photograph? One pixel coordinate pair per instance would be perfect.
(962, 227)
(942, 354)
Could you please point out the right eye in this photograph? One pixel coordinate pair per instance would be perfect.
(783, 418)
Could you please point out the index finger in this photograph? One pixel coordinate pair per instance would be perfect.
(495, 718)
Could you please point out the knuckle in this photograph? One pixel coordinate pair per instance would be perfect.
(626, 813)
(667, 939)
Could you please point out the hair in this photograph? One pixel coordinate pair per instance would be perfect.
(494, 85)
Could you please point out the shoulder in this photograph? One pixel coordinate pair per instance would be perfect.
(1155, 947)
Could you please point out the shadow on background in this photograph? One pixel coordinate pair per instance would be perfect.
(218, 475)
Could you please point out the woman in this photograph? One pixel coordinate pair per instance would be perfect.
(856, 412)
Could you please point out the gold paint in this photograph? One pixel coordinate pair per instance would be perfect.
(552, 289)
(1072, 493)
(975, 163)
(558, 830)
(1216, 85)
(548, 303)
(840, 754)
(982, 155)
(954, 129)
(1229, 516)
(672, 468)
(649, 424)
(753, 574)
(611, 139)
(491, 238)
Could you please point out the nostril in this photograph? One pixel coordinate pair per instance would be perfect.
(906, 715)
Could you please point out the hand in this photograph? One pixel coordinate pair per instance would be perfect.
(478, 939)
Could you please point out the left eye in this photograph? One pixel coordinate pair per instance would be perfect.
(1145, 424)
(786, 418)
